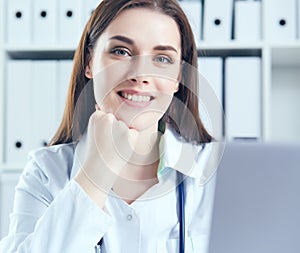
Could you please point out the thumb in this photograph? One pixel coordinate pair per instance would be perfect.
(97, 107)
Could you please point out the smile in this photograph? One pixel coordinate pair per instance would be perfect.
(135, 97)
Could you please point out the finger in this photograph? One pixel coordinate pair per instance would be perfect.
(99, 114)
(97, 107)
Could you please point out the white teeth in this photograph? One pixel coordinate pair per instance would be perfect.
(135, 98)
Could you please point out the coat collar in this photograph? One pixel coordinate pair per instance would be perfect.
(195, 161)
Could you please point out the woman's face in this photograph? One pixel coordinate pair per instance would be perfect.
(135, 67)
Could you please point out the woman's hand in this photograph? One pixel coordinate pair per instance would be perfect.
(110, 141)
(107, 148)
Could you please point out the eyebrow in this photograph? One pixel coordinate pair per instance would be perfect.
(131, 42)
(165, 48)
(122, 38)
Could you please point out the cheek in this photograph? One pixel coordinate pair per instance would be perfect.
(166, 89)
(100, 92)
(106, 80)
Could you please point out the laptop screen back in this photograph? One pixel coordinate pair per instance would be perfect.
(257, 200)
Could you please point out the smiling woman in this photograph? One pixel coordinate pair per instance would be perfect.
(130, 130)
(152, 43)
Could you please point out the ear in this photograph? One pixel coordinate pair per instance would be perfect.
(179, 77)
(177, 87)
(178, 81)
(88, 72)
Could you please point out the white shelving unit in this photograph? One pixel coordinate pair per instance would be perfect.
(284, 92)
(2, 71)
(280, 79)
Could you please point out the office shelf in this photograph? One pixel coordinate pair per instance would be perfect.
(280, 68)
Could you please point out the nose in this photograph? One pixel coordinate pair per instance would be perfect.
(139, 73)
(139, 80)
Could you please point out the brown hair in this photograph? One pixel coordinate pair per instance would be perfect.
(182, 119)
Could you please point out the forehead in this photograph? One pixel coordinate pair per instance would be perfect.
(143, 24)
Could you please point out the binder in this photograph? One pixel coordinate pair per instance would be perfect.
(19, 15)
(247, 21)
(217, 20)
(31, 107)
(298, 19)
(43, 100)
(64, 75)
(281, 20)
(243, 97)
(69, 20)
(44, 22)
(193, 11)
(18, 113)
(211, 69)
(88, 6)
(8, 182)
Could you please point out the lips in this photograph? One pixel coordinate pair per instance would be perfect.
(135, 96)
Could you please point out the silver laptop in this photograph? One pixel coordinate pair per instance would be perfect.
(257, 200)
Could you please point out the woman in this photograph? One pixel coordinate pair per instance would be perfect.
(130, 127)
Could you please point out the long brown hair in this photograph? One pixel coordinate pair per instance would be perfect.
(182, 119)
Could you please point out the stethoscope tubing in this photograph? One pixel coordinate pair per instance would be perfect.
(181, 212)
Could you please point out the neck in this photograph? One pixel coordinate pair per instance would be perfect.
(144, 162)
(141, 173)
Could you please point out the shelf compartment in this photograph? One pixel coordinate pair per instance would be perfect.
(229, 49)
(285, 103)
(286, 55)
(40, 52)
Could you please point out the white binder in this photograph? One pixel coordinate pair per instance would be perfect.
(44, 22)
(8, 182)
(281, 20)
(69, 20)
(88, 6)
(217, 20)
(243, 97)
(43, 100)
(64, 75)
(18, 114)
(298, 19)
(19, 19)
(247, 21)
(211, 69)
(193, 10)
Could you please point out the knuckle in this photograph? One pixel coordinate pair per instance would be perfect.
(133, 132)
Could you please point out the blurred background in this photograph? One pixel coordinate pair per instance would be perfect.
(249, 52)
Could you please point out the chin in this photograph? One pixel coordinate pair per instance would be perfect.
(140, 125)
(143, 122)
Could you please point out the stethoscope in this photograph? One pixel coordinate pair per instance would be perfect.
(181, 215)
(181, 211)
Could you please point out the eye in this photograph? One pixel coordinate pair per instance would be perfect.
(163, 59)
(121, 52)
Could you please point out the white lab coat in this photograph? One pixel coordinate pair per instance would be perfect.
(52, 214)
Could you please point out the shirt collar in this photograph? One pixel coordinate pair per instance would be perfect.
(182, 156)
(196, 161)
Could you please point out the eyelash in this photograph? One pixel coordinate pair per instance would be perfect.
(167, 59)
(117, 51)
